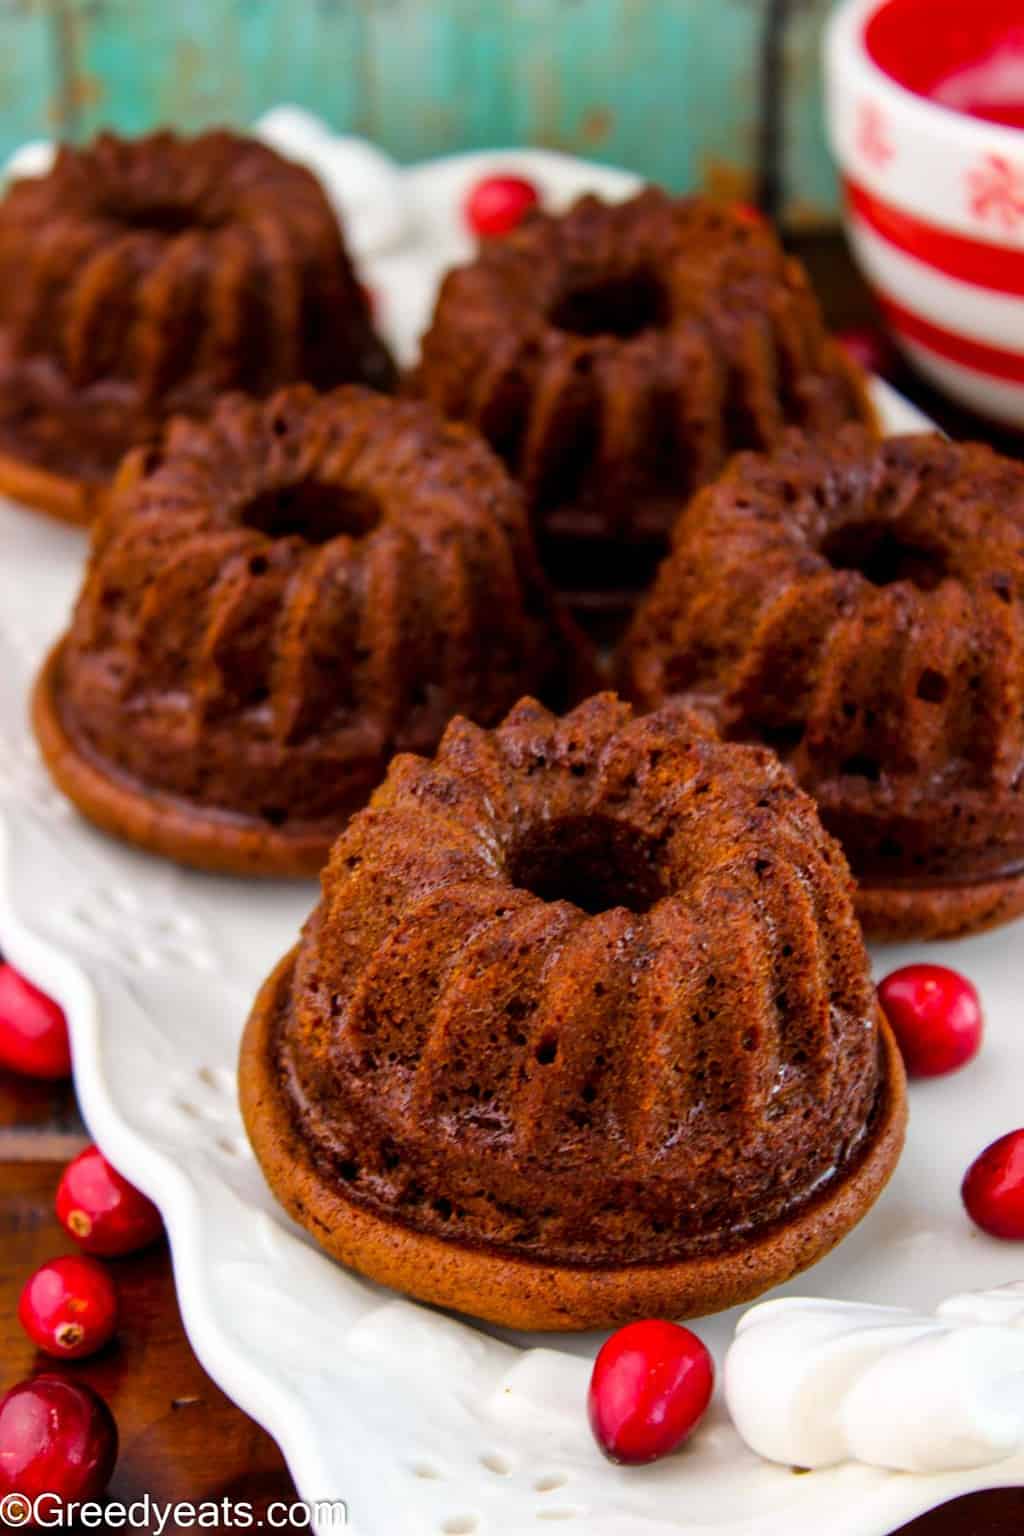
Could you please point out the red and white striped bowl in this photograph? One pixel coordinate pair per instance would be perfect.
(934, 198)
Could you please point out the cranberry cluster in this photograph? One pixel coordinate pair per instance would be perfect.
(936, 1017)
(57, 1436)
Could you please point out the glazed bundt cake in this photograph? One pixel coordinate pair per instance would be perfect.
(275, 603)
(582, 1028)
(615, 356)
(860, 607)
(142, 278)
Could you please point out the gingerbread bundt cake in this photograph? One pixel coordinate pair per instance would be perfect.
(275, 603)
(582, 1028)
(142, 278)
(617, 355)
(860, 607)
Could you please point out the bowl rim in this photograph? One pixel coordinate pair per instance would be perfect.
(847, 53)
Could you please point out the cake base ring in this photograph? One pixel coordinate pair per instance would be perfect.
(66, 497)
(520, 1293)
(221, 843)
(899, 914)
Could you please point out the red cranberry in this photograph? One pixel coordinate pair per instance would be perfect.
(870, 349)
(101, 1210)
(935, 1015)
(498, 204)
(69, 1307)
(56, 1437)
(747, 213)
(993, 1189)
(652, 1382)
(33, 1030)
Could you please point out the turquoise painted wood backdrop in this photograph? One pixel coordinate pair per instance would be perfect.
(689, 92)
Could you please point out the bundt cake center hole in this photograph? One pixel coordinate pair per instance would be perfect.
(881, 553)
(594, 861)
(313, 511)
(166, 217)
(621, 305)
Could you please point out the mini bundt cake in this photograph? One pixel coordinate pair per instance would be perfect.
(582, 1029)
(141, 278)
(615, 356)
(860, 607)
(275, 603)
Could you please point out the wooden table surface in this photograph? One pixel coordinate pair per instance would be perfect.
(181, 1438)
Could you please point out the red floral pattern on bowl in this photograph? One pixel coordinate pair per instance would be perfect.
(873, 138)
(996, 189)
(934, 196)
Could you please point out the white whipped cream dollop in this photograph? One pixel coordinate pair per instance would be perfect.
(814, 1383)
(363, 183)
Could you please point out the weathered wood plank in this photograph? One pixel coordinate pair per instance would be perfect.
(29, 72)
(671, 88)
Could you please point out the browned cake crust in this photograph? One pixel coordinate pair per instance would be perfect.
(860, 607)
(896, 915)
(275, 603)
(616, 355)
(66, 497)
(582, 1030)
(524, 1293)
(160, 823)
(140, 279)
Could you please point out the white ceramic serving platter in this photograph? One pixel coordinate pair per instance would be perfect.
(425, 1425)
